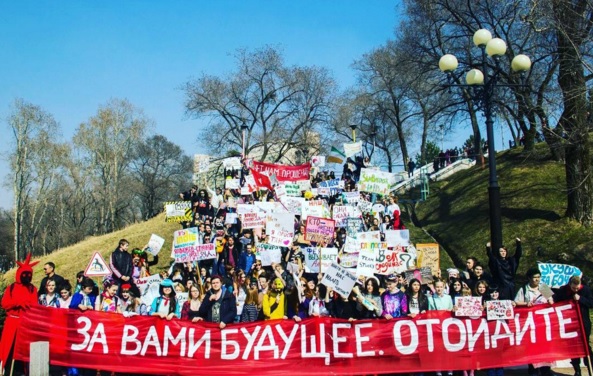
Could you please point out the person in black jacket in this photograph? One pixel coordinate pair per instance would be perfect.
(121, 264)
(581, 294)
(219, 304)
(504, 268)
(50, 275)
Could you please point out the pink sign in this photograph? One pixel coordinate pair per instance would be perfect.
(319, 229)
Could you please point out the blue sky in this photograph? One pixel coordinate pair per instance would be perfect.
(69, 57)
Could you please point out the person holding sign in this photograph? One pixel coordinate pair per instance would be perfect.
(581, 294)
(368, 302)
(534, 293)
(394, 301)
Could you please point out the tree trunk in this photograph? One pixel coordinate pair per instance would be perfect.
(573, 121)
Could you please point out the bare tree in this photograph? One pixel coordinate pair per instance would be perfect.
(107, 141)
(160, 169)
(280, 105)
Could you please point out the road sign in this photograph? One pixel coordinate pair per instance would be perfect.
(97, 267)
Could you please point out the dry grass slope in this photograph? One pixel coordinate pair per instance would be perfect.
(74, 258)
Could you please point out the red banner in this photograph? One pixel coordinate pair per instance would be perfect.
(317, 346)
(282, 172)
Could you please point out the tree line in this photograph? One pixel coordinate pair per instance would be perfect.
(112, 173)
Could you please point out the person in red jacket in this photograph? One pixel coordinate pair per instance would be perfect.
(17, 298)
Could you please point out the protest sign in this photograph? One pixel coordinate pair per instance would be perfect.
(375, 181)
(195, 253)
(397, 237)
(556, 275)
(354, 226)
(339, 279)
(349, 260)
(201, 163)
(351, 245)
(315, 208)
(366, 261)
(318, 260)
(424, 275)
(319, 229)
(267, 206)
(342, 212)
(282, 172)
(250, 185)
(304, 185)
(253, 220)
(149, 288)
(231, 218)
(318, 161)
(246, 208)
(268, 254)
(280, 191)
(369, 236)
(280, 228)
(428, 255)
(352, 148)
(293, 205)
(331, 187)
(352, 198)
(293, 190)
(315, 346)
(365, 206)
(389, 261)
(155, 243)
(232, 163)
(178, 211)
(470, 306)
(500, 310)
(187, 247)
(378, 208)
(232, 184)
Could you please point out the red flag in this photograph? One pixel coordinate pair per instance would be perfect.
(261, 180)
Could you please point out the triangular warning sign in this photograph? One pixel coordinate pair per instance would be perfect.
(97, 267)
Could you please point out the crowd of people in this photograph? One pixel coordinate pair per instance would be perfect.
(236, 287)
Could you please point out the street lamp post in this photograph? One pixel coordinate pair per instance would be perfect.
(483, 84)
(353, 127)
(243, 129)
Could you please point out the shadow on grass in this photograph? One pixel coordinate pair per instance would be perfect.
(527, 214)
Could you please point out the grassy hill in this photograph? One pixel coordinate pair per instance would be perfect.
(533, 203)
(75, 258)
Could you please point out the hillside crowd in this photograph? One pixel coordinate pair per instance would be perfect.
(237, 286)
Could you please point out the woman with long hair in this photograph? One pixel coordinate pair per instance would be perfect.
(108, 301)
(65, 290)
(165, 305)
(417, 301)
(240, 289)
(191, 306)
(50, 298)
(368, 302)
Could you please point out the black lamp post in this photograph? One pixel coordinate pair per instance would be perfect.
(483, 84)
(243, 129)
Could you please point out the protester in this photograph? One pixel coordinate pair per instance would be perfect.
(165, 305)
(581, 294)
(504, 268)
(368, 302)
(49, 298)
(108, 301)
(50, 275)
(321, 300)
(219, 305)
(274, 305)
(250, 312)
(65, 290)
(16, 299)
(121, 263)
(84, 300)
(191, 307)
(393, 300)
(417, 301)
(534, 293)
